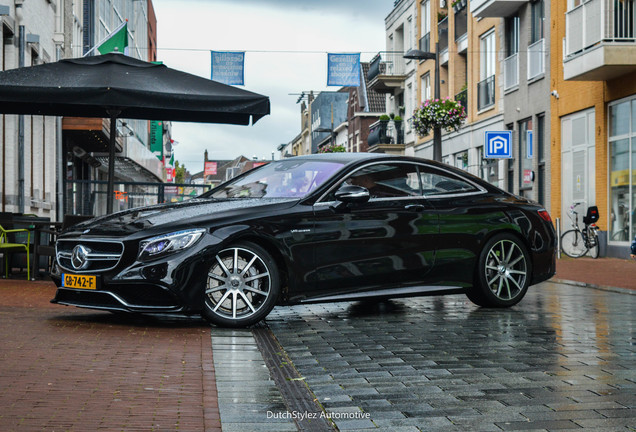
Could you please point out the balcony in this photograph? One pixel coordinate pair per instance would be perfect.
(600, 40)
(486, 93)
(387, 72)
(536, 56)
(386, 137)
(495, 8)
(511, 72)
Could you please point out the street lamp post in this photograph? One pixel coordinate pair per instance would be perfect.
(416, 54)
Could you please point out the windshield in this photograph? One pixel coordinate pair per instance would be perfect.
(281, 179)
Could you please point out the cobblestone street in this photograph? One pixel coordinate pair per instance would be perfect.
(564, 358)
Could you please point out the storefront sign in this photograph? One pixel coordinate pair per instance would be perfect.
(529, 145)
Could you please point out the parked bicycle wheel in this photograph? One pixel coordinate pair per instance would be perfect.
(572, 244)
(593, 243)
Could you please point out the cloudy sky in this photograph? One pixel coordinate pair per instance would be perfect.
(286, 42)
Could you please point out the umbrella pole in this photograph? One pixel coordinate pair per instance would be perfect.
(110, 192)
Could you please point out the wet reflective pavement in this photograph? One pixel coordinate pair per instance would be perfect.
(564, 358)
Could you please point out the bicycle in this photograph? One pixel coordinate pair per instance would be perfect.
(577, 242)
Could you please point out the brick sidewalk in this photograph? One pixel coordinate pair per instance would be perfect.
(76, 370)
(605, 272)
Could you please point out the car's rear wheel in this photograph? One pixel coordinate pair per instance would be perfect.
(503, 273)
(242, 286)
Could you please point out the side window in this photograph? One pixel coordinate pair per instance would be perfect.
(436, 182)
(384, 181)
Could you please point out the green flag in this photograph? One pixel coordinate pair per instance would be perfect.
(118, 40)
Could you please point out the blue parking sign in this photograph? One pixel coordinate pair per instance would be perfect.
(498, 144)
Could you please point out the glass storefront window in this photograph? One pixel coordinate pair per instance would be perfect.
(622, 149)
(619, 119)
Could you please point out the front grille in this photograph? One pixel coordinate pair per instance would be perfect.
(88, 256)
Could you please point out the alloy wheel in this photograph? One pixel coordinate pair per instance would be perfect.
(239, 282)
(506, 270)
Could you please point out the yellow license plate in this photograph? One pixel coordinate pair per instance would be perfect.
(79, 281)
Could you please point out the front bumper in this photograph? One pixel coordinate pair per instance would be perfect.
(172, 284)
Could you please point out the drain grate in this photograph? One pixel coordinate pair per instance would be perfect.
(301, 402)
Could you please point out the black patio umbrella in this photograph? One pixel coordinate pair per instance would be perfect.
(117, 86)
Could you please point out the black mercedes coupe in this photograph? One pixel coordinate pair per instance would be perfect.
(319, 228)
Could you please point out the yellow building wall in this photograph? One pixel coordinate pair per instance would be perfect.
(576, 96)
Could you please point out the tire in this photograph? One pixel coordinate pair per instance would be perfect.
(572, 244)
(242, 286)
(594, 247)
(503, 273)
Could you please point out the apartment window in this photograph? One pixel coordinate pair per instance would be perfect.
(511, 63)
(487, 62)
(425, 24)
(538, 19)
(512, 35)
(426, 87)
(409, 34)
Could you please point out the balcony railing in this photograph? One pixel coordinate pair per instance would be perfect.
(425, 42)
(386, 132)
(486, 93)
(536, 55)
(442, 31)
(462, 97)
(599, 20)
(388, 63)
(511, 71)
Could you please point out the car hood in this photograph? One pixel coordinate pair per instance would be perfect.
(176, 216)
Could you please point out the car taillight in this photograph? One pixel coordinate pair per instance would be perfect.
(545, 215)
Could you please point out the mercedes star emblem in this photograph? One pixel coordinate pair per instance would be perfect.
(79, 259)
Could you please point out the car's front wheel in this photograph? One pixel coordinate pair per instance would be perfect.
(503, 273)
(242, 286)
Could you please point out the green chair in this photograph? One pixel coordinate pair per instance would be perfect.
(7, 247)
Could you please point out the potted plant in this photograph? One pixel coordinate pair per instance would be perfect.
(444, 113)
(384, 122)
(397, 121)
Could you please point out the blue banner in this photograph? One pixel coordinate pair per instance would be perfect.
(228, 67)
(343, 70)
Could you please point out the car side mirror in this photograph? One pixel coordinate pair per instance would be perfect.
(352, 194)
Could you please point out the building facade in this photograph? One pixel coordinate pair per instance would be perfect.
(470, 72)
(525, 84)
(33, 32)
(395, 77)
(593, 120)
(365, 107)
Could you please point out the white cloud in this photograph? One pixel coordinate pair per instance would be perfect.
(272, 26)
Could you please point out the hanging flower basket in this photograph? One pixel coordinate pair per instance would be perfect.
(332, 149)
(446, 113)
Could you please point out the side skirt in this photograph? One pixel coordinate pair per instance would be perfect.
(389, 293)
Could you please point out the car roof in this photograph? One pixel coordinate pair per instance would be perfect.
(341, 157)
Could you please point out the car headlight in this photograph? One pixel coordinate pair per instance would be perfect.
(162, 245)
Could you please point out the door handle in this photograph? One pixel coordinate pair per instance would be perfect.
(415, 208)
